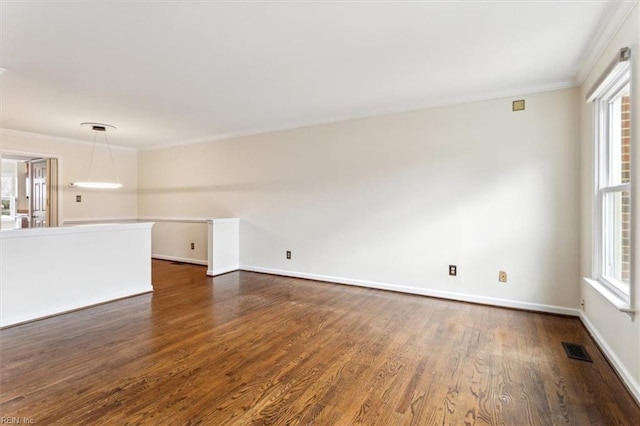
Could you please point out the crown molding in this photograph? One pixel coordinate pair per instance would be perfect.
(612, 19)
(398, 109)
(434, 103)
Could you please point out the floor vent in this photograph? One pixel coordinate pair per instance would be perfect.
(576, 351)
(175, 262)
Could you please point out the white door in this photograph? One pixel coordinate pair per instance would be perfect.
(39, 200)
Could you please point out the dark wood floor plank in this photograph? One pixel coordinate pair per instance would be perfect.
(246, 348)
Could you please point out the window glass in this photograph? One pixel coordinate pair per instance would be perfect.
(8, 185)
(619, 138)
(617, 236)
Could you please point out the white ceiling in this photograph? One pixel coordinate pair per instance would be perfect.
(174, 72)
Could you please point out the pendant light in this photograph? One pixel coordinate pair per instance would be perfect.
(99, 128)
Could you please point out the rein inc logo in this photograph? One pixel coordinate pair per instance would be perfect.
(16, 421)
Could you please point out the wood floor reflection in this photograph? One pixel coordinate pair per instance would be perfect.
(247, 348)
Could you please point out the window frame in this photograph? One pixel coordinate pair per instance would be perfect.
(611, 86)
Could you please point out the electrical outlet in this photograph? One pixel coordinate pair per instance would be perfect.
(582, 304)
(193, 246)
(502, 276)
(453, 270)
(288, 254)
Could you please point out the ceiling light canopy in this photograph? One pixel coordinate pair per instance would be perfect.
(98, 127)
(92, 184)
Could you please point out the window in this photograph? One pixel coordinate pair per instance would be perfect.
(9, 189)
(613, 191)
(8, 207)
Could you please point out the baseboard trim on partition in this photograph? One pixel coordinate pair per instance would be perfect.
(632, 385)
(180, 259)
(462, 297)
(220, 271)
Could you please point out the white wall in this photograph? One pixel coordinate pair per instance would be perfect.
(617, 333)
(172, 240)
(23, 202)
(73, 162)
(74, 267)
(394, 200)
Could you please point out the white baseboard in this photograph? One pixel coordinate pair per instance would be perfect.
(180, 259)
(503, 303)
(220, 271)
(632, 385)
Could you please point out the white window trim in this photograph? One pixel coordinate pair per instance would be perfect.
(609, 84)
(621, 304)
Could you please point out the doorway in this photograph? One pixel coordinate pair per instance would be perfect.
(29, 191)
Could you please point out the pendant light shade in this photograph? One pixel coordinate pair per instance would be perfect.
(96, 185)
(92, 184)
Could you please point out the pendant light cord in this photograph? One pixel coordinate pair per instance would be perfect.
(113, 164)
(93, 151)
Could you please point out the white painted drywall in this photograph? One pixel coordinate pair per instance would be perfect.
(617, 333)
(73, 162)
(395, 199)
(22, 202)
(172, 239)
(51, 270)
(224, 245)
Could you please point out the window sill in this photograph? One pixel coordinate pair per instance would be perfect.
(623, 305)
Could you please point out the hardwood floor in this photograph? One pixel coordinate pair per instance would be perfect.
(247, 348)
